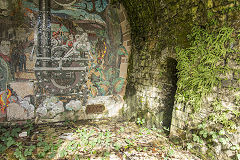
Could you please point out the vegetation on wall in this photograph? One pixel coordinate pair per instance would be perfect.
(206, 58)
(201, 65)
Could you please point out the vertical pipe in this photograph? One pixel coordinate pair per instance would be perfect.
(39, 32)
(48, 26)
(44, 29)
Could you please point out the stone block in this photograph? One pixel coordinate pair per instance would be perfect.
(41, 111)
(181, 124)
(174, 121)
(26, 75)
(181, 115)
(74, 105)
(125, 44)
(17, 112)
(50, 108)
(23, 89)
(173, 130)
(123, 26)
(123, 70)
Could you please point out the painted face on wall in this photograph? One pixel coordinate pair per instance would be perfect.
(5, 47)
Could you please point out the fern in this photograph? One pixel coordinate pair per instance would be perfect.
(201, 64)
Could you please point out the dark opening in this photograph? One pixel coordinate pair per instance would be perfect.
(170, 89)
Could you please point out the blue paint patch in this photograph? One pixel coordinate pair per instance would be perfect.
(30, 5)
(100, 6)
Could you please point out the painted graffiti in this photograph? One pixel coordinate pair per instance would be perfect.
(4, 104)
(86, 47)
(16, 42)
(90, 28)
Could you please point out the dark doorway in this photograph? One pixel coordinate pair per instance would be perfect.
(170, 88)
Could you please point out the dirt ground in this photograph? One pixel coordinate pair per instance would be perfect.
(89, 139)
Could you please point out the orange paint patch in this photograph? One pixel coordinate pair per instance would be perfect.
(3, 105)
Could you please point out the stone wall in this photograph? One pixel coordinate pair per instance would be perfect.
(151, 97)
(217, 119)
(158, 28)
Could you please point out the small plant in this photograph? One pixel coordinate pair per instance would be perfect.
(15, 132)
(238, 156)
(10, 141)
(154, 128)
(117, 146)
(140, 121)
(235, 147)
(129, 142)
(189, 146)
(29, 126)
(139, 148)
(18, 152)
(63, 153)
(170, 152)
(121, 129)
(47, 148)
(197, 139)
(145, 149)
(106, 154)
(29, 150)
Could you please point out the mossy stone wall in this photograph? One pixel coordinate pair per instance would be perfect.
(157, 29)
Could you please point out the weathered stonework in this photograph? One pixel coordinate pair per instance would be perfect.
(23, 89)
(16, 112)
(154, 82)
(156, 30)
(151, 30)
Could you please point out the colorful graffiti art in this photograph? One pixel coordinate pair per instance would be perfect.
(16, 29)
(77, 52)
(4, 104)
(86, 50)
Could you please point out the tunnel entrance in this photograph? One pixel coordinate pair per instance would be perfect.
(170, 88)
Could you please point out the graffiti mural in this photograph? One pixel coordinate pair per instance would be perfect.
(86, 49)
(16, 40)
(70, 50)
(93, 27)
(17, 25)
